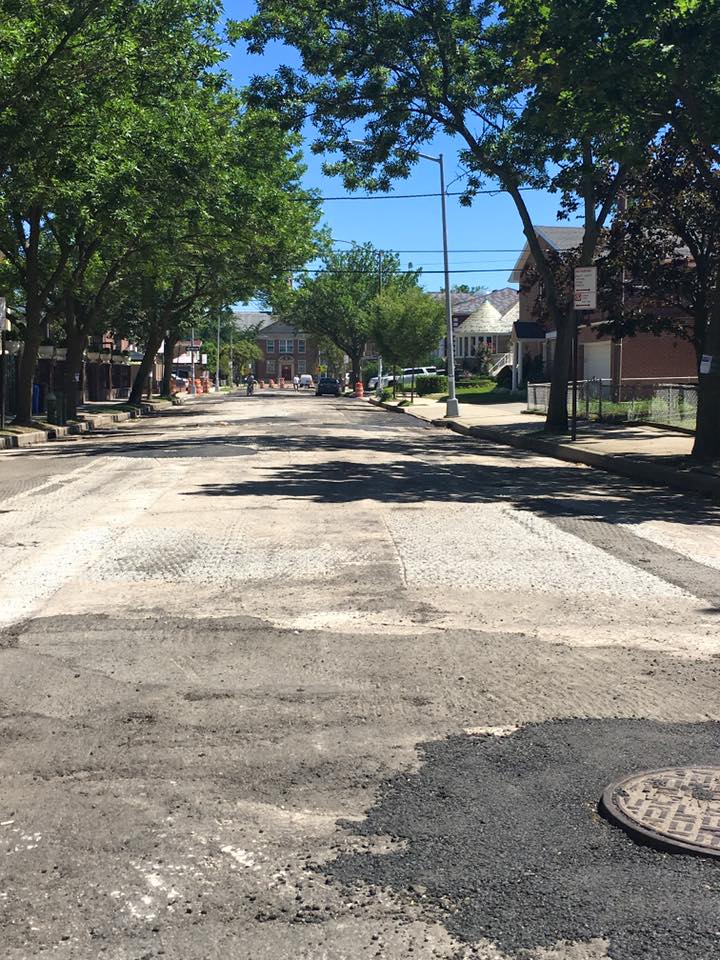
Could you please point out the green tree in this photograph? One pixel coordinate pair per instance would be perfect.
(509, 80)
(408, 326)
(245, 352)
(660, 270)
(339, 302)
(71, 74)
(333, 358)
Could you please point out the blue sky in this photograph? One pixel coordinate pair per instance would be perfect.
(491, 225)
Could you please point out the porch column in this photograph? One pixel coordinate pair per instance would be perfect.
(515, 366)
(520, 364)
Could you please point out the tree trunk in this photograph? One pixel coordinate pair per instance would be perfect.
(707, 433)
(144, 369)
(557, 415)
(73, 362)
(355, 364)
(28, 365)
(706, 448)
(168, 357)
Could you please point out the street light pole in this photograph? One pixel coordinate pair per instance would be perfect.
(452, 409)
(232, 359)
(379, 388)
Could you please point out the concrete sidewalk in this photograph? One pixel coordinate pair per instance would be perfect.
(643, 452)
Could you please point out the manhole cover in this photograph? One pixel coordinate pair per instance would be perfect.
(676, 809)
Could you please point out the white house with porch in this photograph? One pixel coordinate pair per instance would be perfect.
(487, 328)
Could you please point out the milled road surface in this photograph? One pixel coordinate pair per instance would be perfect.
(286, 678)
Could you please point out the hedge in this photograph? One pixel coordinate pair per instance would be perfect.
(430, 384)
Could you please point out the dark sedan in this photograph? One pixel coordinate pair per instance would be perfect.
(328, 386)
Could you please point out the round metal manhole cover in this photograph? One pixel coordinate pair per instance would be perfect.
(676, 809)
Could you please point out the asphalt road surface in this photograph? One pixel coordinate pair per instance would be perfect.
(292, 678)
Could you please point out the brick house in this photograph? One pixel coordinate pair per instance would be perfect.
(286, 351)
(644, 357)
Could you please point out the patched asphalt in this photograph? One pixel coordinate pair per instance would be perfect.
(503, 840)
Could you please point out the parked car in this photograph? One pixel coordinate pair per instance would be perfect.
(404, 377)
(306, 380)
(407, 375)
(386, 382)
(328, 386)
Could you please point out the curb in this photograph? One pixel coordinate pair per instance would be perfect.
(87, 425)
(651, 473)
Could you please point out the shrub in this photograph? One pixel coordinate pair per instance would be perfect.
(386, 394)
(431, 384)
(504, 378)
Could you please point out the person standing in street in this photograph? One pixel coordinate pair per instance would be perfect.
(296, 382)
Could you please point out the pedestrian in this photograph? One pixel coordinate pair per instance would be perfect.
(296, 382)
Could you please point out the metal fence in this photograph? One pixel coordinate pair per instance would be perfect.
(636, 401)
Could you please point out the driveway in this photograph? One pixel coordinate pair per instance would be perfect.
(289, 677)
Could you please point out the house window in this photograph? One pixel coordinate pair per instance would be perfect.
(301, 347)
(473, 346)
(301, 365)
(270, 346)
(270, 365)
(286, 346)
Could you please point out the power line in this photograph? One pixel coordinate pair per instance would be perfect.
(406, 196)
(396, 272)
(480, 250)
(398, 196)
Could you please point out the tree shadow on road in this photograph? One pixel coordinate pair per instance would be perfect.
(514, 477)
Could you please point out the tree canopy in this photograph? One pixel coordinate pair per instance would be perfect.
(137, 187)
(661, 267)
(561, 95)
(338, 303)
(408, 326)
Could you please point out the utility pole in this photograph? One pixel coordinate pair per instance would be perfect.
(452, 408)
(380, 287)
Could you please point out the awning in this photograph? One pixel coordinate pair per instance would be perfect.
(527, 330)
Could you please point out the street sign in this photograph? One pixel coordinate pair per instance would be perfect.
(586, 288)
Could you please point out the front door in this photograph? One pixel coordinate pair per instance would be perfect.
(286, 371)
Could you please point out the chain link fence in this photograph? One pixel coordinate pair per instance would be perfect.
(637, 401)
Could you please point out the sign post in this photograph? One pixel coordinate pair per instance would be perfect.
(585, 299)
